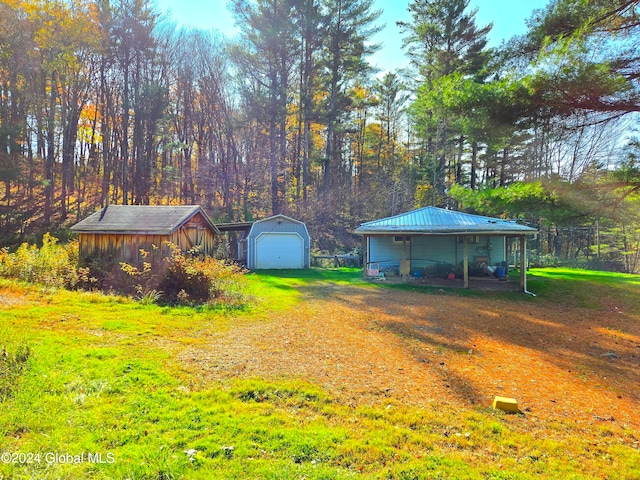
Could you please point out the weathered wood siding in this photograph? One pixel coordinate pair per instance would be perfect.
(127, 247)
(196, 233)
(120, 247)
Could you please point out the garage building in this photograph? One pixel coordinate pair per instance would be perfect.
(278, 242)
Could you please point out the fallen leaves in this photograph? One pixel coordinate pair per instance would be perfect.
(370, 344)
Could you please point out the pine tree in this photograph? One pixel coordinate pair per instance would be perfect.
(350, 25)
(442, 40)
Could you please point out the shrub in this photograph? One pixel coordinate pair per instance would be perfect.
(52, 264)
(190, 279)
(132, 280)
(184, 281)
(181, 278)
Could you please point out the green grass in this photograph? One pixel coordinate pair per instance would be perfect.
(101, 378)
(340, 276)
(281, 289)
(585, 288)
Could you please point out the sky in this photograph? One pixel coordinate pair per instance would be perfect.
(508, 17)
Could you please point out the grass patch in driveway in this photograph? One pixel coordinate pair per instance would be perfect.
(295, 278)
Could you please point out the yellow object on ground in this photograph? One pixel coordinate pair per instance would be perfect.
(506, 404)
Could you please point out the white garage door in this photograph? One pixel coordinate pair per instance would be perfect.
(279, 250)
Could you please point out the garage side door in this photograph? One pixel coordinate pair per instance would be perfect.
(279, 250)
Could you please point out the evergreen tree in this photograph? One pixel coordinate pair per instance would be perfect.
(441, 40)
(350, 26)
(584, 55)
(266, 57)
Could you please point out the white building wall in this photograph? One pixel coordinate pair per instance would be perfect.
(428, 250)
(278, 224)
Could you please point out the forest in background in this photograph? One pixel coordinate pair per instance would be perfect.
(105, 101)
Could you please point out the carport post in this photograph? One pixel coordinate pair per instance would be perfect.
(365, 255)
(403, 263)
(465, 261)
(523, 262)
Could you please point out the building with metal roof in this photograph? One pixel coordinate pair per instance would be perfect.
(277, 242)
(432, 241)
(437, 221)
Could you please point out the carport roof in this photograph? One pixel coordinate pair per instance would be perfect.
(438, 221)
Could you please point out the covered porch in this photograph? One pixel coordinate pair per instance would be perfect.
(445, 248)
(487, 284)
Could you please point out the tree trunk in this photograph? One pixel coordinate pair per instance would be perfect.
(442, 163)
(50, 162)
(333, 92)
(273, 144)
(124, 140)
(459, 161)
(503, 165)
(474, 164)
(105, 126)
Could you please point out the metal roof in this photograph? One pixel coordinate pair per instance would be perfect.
(281, 216)
(139, 219)
(434, 220)
(234, 226)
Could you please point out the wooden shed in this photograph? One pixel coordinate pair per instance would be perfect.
(120, 232)
(278, 242)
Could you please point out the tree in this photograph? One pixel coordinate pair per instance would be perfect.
(19, 66)
(392, 98)
(310, 28)
(217, 136)
(350, 24)
(77, 78)
(270, 48)
(134, 49)
(441, 40)
(585, 56)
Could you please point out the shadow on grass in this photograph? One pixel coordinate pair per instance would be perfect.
(326, 280)
(576, 287)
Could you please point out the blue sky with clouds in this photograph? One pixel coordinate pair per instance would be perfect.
(508, 17)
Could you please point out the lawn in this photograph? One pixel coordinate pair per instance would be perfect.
(324, 376)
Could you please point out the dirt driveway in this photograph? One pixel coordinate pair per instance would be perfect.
(366, 344)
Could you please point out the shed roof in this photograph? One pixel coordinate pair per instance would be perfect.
(434, 220)
(140, 219)
(234, 226)
(279, 223)
(279, 216)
